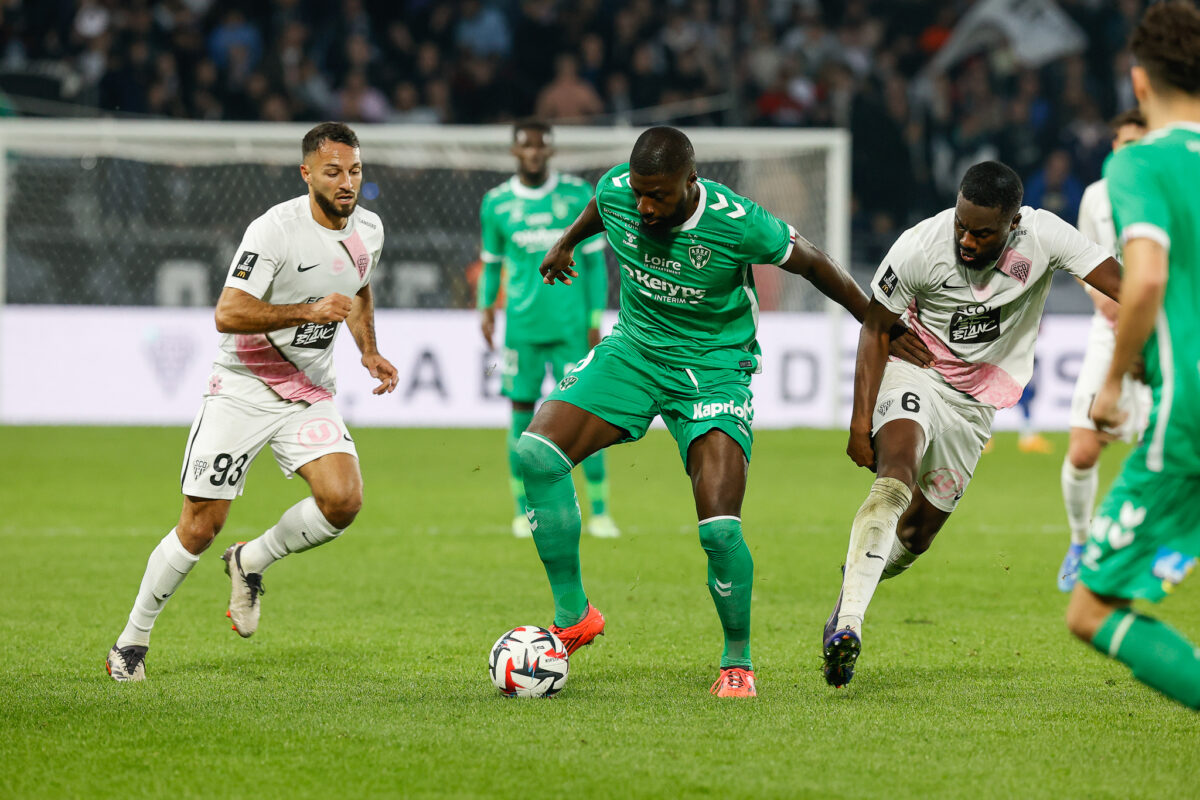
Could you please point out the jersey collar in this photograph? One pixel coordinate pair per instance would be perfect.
(533, 192)
(694, 219)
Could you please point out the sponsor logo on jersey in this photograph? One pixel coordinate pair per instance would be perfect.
(306, 268)
(664, 291)
(665, 264)
(539, 219)
(888, 282)
(1172, 567)
(699, 255)
(723, 408)
(370, 225)
(245, 265)
(972, 324)
(198, 467)
(536, 239)
(315, 335)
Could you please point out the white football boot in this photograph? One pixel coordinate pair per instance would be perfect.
(127, 663)
(244, 595)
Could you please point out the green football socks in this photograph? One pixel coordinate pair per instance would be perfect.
(1159, 656)
(520, 421)
(730, 580)
(597, 483)
(554, 517)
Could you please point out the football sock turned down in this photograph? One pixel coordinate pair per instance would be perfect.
(554, 517)
(871, 538)
(730, 581)
(597, 483)
(168, 565)
(302, 527)
(900, 559)
(520, 421)
(1158, 655)
(1079, 496)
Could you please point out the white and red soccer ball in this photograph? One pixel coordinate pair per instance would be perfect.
(528, 662)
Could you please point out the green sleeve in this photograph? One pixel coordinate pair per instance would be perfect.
(594, 270)
(491, 253)
(1139, 204)
(767, 239)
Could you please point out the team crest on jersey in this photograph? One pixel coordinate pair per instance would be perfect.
(198, 467)
(699, 255)
(361, 263)
(558, 205)
(567, 383)
(1015, 265)
(883, 408)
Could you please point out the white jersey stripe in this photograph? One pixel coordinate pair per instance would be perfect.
(1166, 364)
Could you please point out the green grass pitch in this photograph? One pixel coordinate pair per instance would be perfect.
(368, 675)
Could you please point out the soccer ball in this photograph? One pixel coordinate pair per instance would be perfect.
(528, 662)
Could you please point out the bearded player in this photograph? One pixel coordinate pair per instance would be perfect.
(545, 327)
(302, 269)
(1080, 469)
(1146, 535)
(971, 282)
(684, 348)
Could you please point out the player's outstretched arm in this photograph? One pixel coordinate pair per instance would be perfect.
(558, 261)
(1106, 279)
(873, 342)
(813, 264)
(241, 312)
(1141, 293)
(361, 322)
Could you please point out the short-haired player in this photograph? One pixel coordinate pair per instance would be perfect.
(683, 349)
(1080, 469)
(972, 283)
(303, 268)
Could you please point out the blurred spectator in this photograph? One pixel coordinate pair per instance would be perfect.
(568, 98)
(482, 30)
(1055, 188)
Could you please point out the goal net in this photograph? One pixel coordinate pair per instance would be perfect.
(148, 214)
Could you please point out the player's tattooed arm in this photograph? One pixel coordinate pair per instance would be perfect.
(810, 262)
(559, 260)
(361, 322)
(873, 342)
(242, 312)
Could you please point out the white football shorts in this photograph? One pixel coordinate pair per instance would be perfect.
(956, 428)
(228, 433)
(1135, 395)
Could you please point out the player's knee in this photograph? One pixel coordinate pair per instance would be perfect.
(720, 539)
(342, 507)
(1084, 618)
(541, 461)
(1084, 453)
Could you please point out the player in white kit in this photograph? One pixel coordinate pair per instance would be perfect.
(971, 282)
(1080, 473)
(302, 269)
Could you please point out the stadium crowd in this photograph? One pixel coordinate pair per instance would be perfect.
(866, 65)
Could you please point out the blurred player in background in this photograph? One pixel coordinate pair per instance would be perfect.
(972, 283)
(1146, 535)
(684, 348)
(302, 269)
(544, 326)
(1080, 470)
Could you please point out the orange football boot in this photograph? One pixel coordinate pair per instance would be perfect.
(576, 636)
(735, 682)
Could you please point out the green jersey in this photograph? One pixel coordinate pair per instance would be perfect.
(688, 298)
(1152, 184)
(519, 224)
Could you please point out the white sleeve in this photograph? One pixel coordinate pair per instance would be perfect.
(258, 259)
(1095, 217)
(1066, 247)
(901, 274)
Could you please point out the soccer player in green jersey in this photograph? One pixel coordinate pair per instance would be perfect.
(1146, 534)
(545, 326)
(684, 348)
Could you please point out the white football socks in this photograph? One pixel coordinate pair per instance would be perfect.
(900, 559)
(1079, 496)
(168, 565)
(871, 538)
(302, 527)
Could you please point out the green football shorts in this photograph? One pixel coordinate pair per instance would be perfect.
(1145, 536)
(523, 367)
(623, 387)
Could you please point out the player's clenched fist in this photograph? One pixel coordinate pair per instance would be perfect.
(860, 450)
(331, 308)
(557, 265)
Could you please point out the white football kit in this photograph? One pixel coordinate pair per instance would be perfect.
(278, 387)
(981, 326)
(1096, 223)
